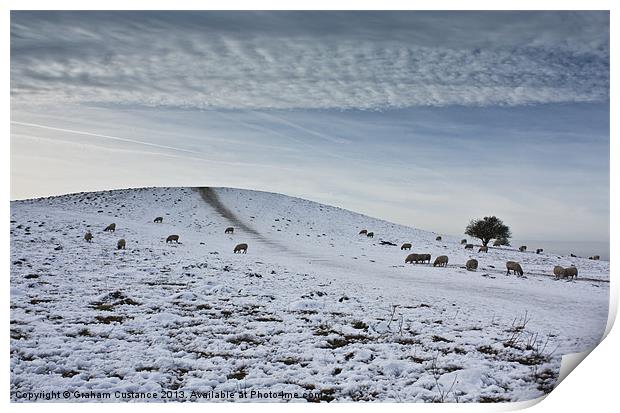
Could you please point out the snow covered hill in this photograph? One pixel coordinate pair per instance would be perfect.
(313, 309)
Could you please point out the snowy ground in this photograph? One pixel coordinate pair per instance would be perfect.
(312, 309)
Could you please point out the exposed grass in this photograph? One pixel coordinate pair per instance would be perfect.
(239, 374)
(459, 350)
(244, 338)
(266, 319)
(437, 339)
(493, 399)
(407, 340)
(103, 307)
(110, 319)
(487, 350)
(18, 334)
(147, 368)
(85, 333)
(289, 361)
(323, 330)
(337, 342)
(360, 325)
(36, 301)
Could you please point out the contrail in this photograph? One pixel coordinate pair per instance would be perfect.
(98, 135)
(302, 128)
(155, 145)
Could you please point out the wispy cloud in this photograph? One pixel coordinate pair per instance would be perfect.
(309, 60)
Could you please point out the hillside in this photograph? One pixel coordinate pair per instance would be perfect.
(312, 309)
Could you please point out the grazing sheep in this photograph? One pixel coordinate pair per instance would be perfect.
(471, 265)
(241, 248)
(497, 243)
(463, 241)
(539, 250)
(158, 220)
(120, 245)
(595, 257)
(405, 246)
(469, 246)
(570, 272)
(514, 266)
(171, 238)
(229, 230)
(438, 238)
(370, 234)
(522, 248)
(573, 255)
(111, 228)
(364, 231)
(88, 236)
(441, 261)
(484, 248)
(558, 272)
(411, 258)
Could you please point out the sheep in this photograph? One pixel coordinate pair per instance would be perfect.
(497, 243)
(595, 257)
(120, 245)
(405, 246)
(241, 248)
(559, 272)
(158, 220)
(441, 261)
(438, 238)
(229, 230)
(370, 234)
(539, 250)
(110, 228)
(471, 265)
(573, 255)
(570, 272)
(469, 246)
(416, 258)
(484, 248)
(463, 241)
(171, 238)
(88, 236)
(522, 248)
(411, 258)
(514, 266)
(364, 231)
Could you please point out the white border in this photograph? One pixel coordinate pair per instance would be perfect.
(592, 387)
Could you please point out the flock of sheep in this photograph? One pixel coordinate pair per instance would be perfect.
(413, 258)
(88, 237)
(472, 264)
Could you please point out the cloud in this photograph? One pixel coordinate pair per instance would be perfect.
(304, 60)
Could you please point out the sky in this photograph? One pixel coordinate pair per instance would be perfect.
(427, 119)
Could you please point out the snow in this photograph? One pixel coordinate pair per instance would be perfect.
(311, 307)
